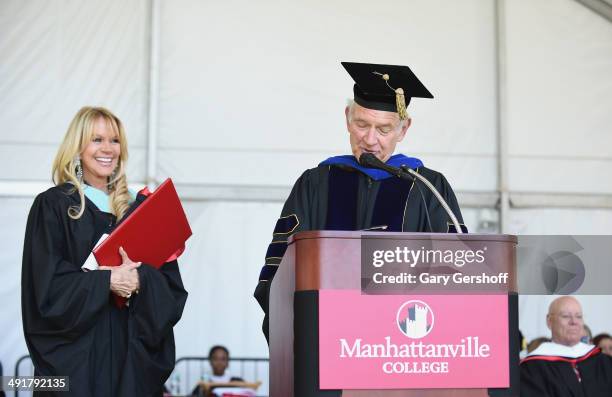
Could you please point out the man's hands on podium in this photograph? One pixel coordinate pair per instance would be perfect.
(124, 279)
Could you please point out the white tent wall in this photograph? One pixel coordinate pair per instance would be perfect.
(58, 56)
(252, 93)
(247, 83)
(559, 96)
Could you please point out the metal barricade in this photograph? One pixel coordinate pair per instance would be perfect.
(188, 371)
(28, 372)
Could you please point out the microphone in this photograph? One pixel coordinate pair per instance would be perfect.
(369, 160)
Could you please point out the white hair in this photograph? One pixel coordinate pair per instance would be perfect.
(350, 103)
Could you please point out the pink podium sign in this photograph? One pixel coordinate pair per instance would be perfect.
(412, 341)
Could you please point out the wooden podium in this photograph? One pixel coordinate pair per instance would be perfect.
(320, 260)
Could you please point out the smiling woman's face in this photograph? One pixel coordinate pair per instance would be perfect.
(101, 156)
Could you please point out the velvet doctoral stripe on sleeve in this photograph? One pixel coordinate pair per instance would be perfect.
(303, 210)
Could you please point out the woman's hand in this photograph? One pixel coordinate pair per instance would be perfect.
(124, 279)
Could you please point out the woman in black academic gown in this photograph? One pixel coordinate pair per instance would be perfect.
(72, 327)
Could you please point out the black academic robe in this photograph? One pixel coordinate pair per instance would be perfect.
(343, 198)
(71, 325)
(552, 376)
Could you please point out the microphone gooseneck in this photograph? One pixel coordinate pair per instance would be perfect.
(444, 204)
(369, 160)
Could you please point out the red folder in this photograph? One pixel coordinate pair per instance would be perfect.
(153, 234)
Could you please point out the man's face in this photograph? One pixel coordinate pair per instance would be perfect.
(374, 131)
(565, 321)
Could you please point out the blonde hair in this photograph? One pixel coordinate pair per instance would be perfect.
(79, 135)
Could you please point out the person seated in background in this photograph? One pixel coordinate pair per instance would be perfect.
(604, 342)
(535, 343)
(566, 366)
(218, 357)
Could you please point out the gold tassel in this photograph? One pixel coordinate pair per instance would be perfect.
(400, 102)
(400, 99)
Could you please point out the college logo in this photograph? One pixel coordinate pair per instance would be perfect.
(415, 319)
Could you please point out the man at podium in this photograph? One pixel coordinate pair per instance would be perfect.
(341, 194)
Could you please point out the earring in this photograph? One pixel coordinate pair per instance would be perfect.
(79, 169)
(111, 181)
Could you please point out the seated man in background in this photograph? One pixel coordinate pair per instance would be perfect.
(342, 194)
(566, 366)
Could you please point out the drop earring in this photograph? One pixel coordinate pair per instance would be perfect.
(111, 181)
(78, 169)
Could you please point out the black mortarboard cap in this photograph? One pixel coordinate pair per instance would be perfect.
(385, 87)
